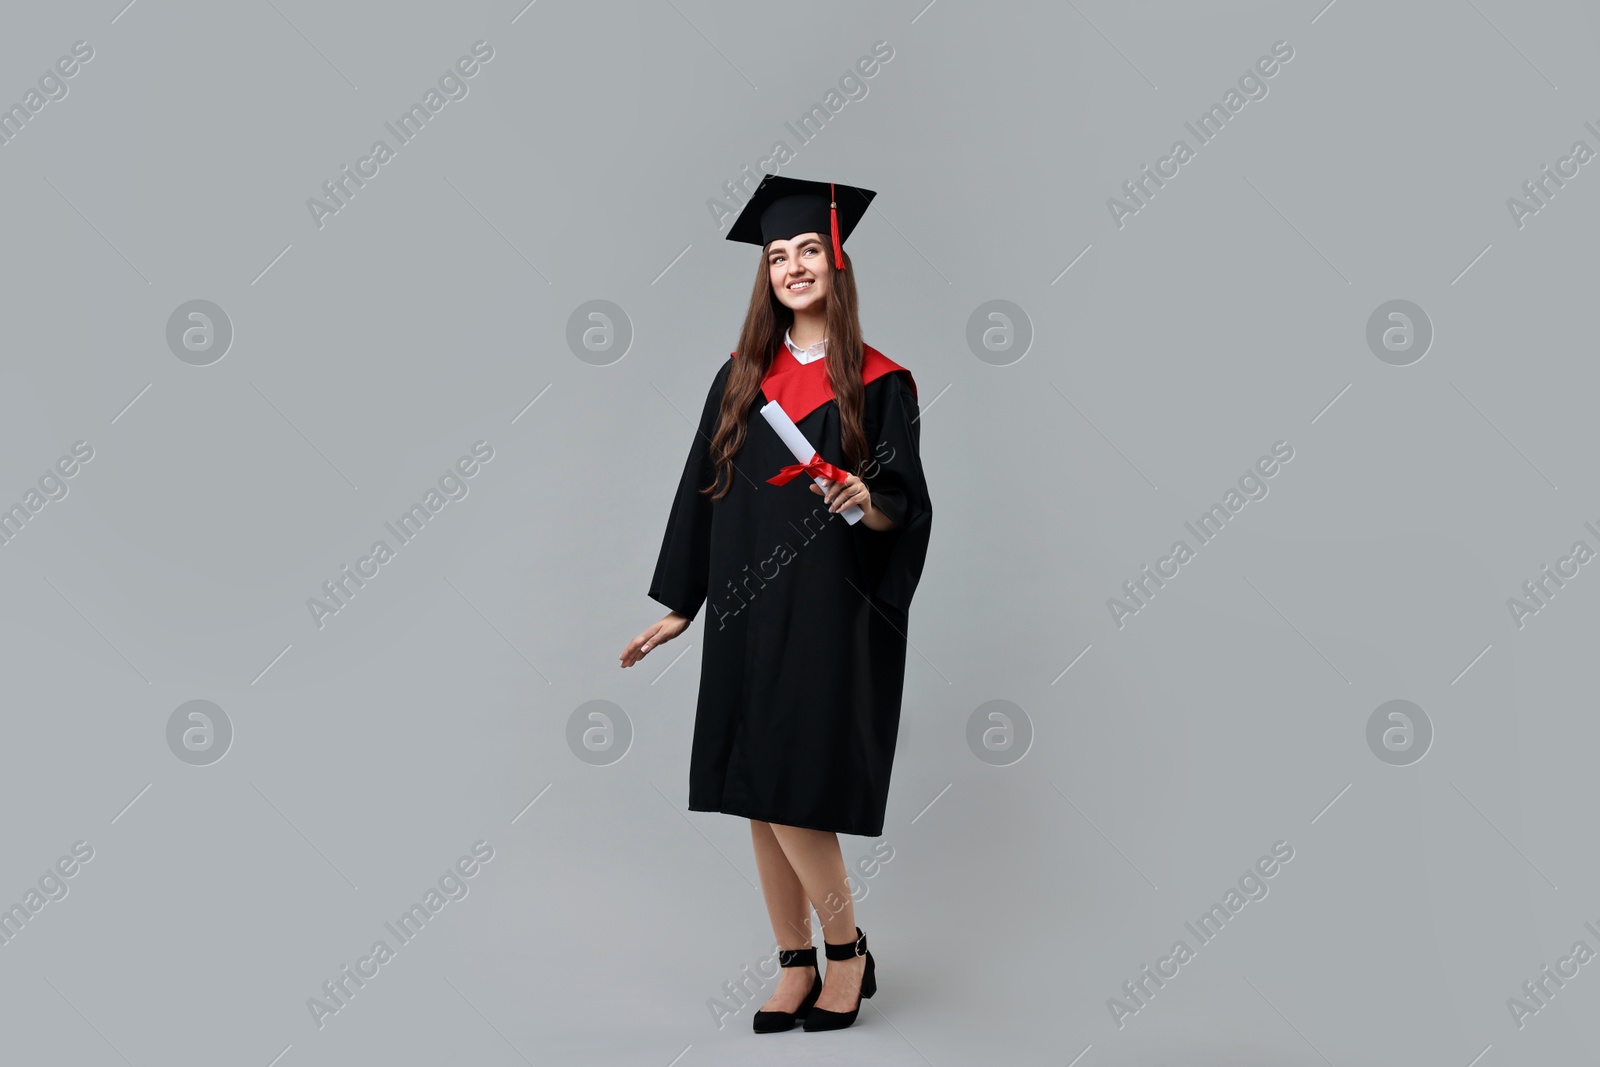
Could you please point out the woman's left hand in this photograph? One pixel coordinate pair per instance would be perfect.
(840, 495)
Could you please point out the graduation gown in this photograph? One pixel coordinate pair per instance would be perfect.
(804, 632)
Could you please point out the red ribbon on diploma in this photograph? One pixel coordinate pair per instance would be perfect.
(816, 466)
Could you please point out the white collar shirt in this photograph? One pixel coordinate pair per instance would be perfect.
(806, 355)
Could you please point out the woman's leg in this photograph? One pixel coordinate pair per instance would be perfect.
(789, 913)
(814, 855)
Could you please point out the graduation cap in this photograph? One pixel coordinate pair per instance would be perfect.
(781, 208)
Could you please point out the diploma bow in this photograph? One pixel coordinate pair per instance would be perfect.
(816, 466)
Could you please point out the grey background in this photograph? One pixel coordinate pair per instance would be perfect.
(433, 710)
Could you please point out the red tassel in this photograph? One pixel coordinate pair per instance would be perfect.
(833, 219)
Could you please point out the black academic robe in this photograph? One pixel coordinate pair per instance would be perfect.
(804, 632)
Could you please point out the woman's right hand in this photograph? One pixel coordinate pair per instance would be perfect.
(665, 630)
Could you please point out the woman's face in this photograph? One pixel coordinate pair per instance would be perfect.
(799, 271)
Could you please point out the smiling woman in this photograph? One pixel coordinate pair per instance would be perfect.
(800, 688)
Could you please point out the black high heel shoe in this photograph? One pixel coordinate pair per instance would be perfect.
(772, 1022)
(822, 1018)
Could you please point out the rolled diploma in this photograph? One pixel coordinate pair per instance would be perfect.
(796, 442)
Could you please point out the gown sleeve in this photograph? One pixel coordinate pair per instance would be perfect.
(683, 566)
(899, 489)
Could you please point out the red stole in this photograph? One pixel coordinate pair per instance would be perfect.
(801, 388)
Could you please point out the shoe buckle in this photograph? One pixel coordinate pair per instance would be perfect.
(861, 945)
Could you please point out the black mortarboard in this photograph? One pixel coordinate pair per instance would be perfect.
(781, 207)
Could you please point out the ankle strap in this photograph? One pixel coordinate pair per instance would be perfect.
(846, 950)
(797, 957)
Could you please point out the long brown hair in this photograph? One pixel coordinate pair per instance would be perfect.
(759, 341)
